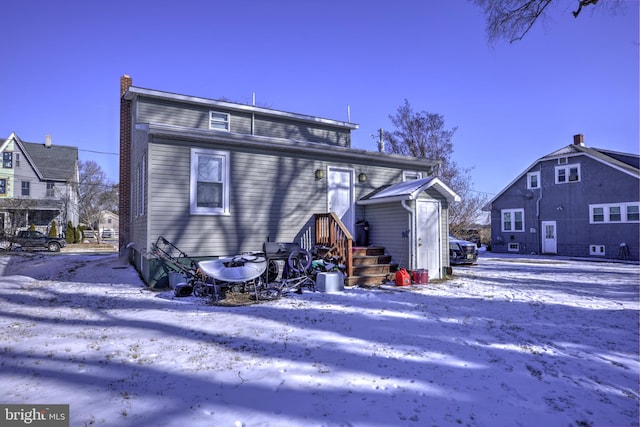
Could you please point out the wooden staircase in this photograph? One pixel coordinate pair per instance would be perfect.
(371, 266)
(366, 266)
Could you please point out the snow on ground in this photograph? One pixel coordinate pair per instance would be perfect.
(509, 342)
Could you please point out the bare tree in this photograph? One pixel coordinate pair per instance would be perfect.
(424, 135)
(97, 194)
(512, 19)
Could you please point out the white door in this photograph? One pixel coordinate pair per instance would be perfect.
(549, 238)
(340, 195)
(428, 237)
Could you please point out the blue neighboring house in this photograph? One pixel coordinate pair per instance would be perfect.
(577, 201)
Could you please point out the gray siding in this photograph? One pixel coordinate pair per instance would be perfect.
(279, 128)
(197, 117)
(272, 198)
(387, 224)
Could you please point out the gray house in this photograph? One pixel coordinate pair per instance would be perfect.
(576, 201)
(218, 178)
(38, 184)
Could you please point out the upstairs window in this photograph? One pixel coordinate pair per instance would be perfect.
(209, 186)
(50, 189)
(568, 173)
(3, 186)
(7, 160)
(26, 188)
(512, 220)
(218, 120)
(533, 180)
(411, 175)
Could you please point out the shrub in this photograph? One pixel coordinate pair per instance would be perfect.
(70, 234)
(53, 231)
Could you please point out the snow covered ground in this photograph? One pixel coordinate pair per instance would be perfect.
(509, 342)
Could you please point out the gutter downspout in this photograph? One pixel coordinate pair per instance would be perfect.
(540, 231)
(412, 234)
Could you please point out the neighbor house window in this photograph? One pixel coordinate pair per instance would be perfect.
(614, 213)
(411, 175)
(7, 160)
(633, 213)
(533, 180)
(3, 186)
(209, 189)
(218, 120)
(17, 159)
(26, 187)
(568, 173)
(50, 189)
(512, 220)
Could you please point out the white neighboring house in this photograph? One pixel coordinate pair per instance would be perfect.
(38, 184)
(108, 225)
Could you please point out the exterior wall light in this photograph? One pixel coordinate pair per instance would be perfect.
(362, 177)
(319, 174)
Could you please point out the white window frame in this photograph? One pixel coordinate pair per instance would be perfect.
(513, 213)
(411, 175)
(224, 158)
(567, 173)
(51, 189)
(219, 120)
(604, 212)
(597, 250)
(531, 175)
(513, 247)
(26, 186)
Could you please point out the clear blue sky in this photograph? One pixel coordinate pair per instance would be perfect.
(511, 103)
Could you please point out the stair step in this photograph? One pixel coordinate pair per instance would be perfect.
(367, 250)
(368, 269)
(370, 280)
(371, 259)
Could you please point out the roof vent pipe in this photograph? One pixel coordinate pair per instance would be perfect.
(47, 141)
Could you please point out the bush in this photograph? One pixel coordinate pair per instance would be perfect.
(70, 234)
(53, 231)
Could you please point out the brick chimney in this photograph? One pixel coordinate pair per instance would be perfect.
(124, 200)
(578, 140)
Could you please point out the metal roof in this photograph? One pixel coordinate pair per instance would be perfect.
(408, 190)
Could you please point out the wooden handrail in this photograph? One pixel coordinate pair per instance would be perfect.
(331, 232)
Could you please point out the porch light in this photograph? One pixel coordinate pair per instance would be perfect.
(362, 177)
(319, 174)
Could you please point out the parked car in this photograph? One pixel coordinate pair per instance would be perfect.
(107, 233)
(35, 239)
(462, 251)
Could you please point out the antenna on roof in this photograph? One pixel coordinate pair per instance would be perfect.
(47, 141)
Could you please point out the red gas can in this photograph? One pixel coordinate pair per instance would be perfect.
(403, 278)
(421, 277)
